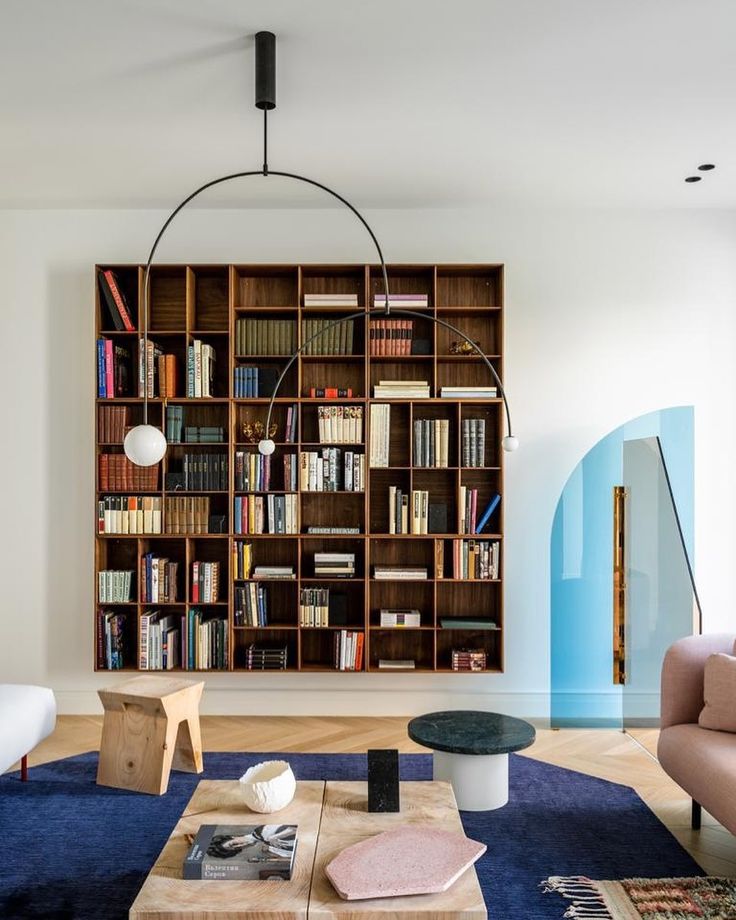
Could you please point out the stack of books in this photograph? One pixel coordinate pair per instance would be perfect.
(348, 650)
(314, 607)
(340, 424)
(201, 359)
(475, 559)
(159, 580)
(265, 513)
(129, 514)
(205, 582)
(113, 369)
(262, 657)
(399, 573)
(113, 423)
(204, 434)
(114, 586)
(396, 664)
(265, 337)
(396, 619)
(251, 605)
(401, 389)
(467, 659)
(204, 642)
(252, 471)
(334, 565)
(331, 300)
(111, 640)
(242, 560)
(254, 382)
(121, 314)
(468, 521)
(390, 336)
(380, 434)
(474, 441)
(319, 529)
(431, 442)
(465, 623)
(274, 572)
(327, 336)
(118, 474)
(405, 301)
(328, 471)
(468, 392)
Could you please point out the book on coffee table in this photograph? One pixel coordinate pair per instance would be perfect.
(239, 852)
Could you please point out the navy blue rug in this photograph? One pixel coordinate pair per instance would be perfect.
(72, 850)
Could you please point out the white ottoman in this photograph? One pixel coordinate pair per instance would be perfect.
(27, 716)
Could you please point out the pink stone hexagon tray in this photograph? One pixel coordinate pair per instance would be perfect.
(408, 860)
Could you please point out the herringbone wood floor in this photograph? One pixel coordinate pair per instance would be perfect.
(624, 758)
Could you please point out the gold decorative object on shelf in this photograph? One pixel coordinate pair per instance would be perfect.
(253, 432)
(463, 348)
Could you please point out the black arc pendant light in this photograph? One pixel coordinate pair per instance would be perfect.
(145, 444)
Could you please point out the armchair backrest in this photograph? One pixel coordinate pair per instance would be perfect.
(682, 676)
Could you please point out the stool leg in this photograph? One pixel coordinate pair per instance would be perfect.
(696, 816)
(24, 768)
(188, 754)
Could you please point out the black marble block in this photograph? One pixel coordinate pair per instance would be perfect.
(383, 780)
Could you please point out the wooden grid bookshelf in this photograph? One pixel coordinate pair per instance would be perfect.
(205, 302)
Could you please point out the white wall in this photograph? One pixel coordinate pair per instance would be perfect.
(609, 315)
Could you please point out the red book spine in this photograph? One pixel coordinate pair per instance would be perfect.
(104, 473)
(119, 302)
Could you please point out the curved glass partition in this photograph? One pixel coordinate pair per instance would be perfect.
(610, 625)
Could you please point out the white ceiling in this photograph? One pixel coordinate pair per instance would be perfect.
(395, 103)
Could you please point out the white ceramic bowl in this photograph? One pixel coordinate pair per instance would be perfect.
(268, 786)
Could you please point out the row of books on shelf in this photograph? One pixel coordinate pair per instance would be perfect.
(157, 372)
(277, 514)
(431, 442)
(114, 586)
(469, 520)
(116, 473)
(475, 559)
(113, 369)
(340, 424)
(150, 514)
(168, 641)
(327, 336)
(474, 441)
(205, 585)
(348, 646)
(251, 382)
(111, 626)
(251, 604)
(390, 336)
(314, 607)
(331, 470)
(408, 513)
(113, 423)
(159, 579)
(122, 316)
(265, 337)
(179, 433)
(201, 361)
(253, 471)
(380, 435)
(200, 472)
(242, 560)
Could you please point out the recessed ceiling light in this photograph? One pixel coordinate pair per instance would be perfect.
(707, 166)
(693, 179)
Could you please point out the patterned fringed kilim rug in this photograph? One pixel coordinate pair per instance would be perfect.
(647, 898)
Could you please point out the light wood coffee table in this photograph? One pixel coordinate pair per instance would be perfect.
(330, 816)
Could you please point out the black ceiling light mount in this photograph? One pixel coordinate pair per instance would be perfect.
(145, 444)
(706, 167)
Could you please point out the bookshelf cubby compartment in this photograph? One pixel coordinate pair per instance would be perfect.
(206, 303)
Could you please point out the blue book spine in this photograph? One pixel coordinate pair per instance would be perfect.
(492, 505)
(256, 383)
(101, 368)
(238, 515)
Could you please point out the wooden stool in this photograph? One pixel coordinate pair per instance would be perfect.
(151, 725)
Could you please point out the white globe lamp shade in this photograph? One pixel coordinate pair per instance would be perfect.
(266, 447)
(510, 443)
(144, 445)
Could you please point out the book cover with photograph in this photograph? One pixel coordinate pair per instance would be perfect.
(242, 852)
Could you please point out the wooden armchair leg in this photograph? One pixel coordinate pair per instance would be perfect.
(696, 815)
(24, 768)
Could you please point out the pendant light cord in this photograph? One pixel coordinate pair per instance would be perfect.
(265, 142)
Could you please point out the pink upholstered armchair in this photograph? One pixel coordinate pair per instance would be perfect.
(703, 762)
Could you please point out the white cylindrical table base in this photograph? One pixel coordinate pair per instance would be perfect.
(480, 781)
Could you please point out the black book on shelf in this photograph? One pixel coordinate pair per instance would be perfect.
(437, 521)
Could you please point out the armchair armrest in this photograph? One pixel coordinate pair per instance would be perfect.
(682, 676)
